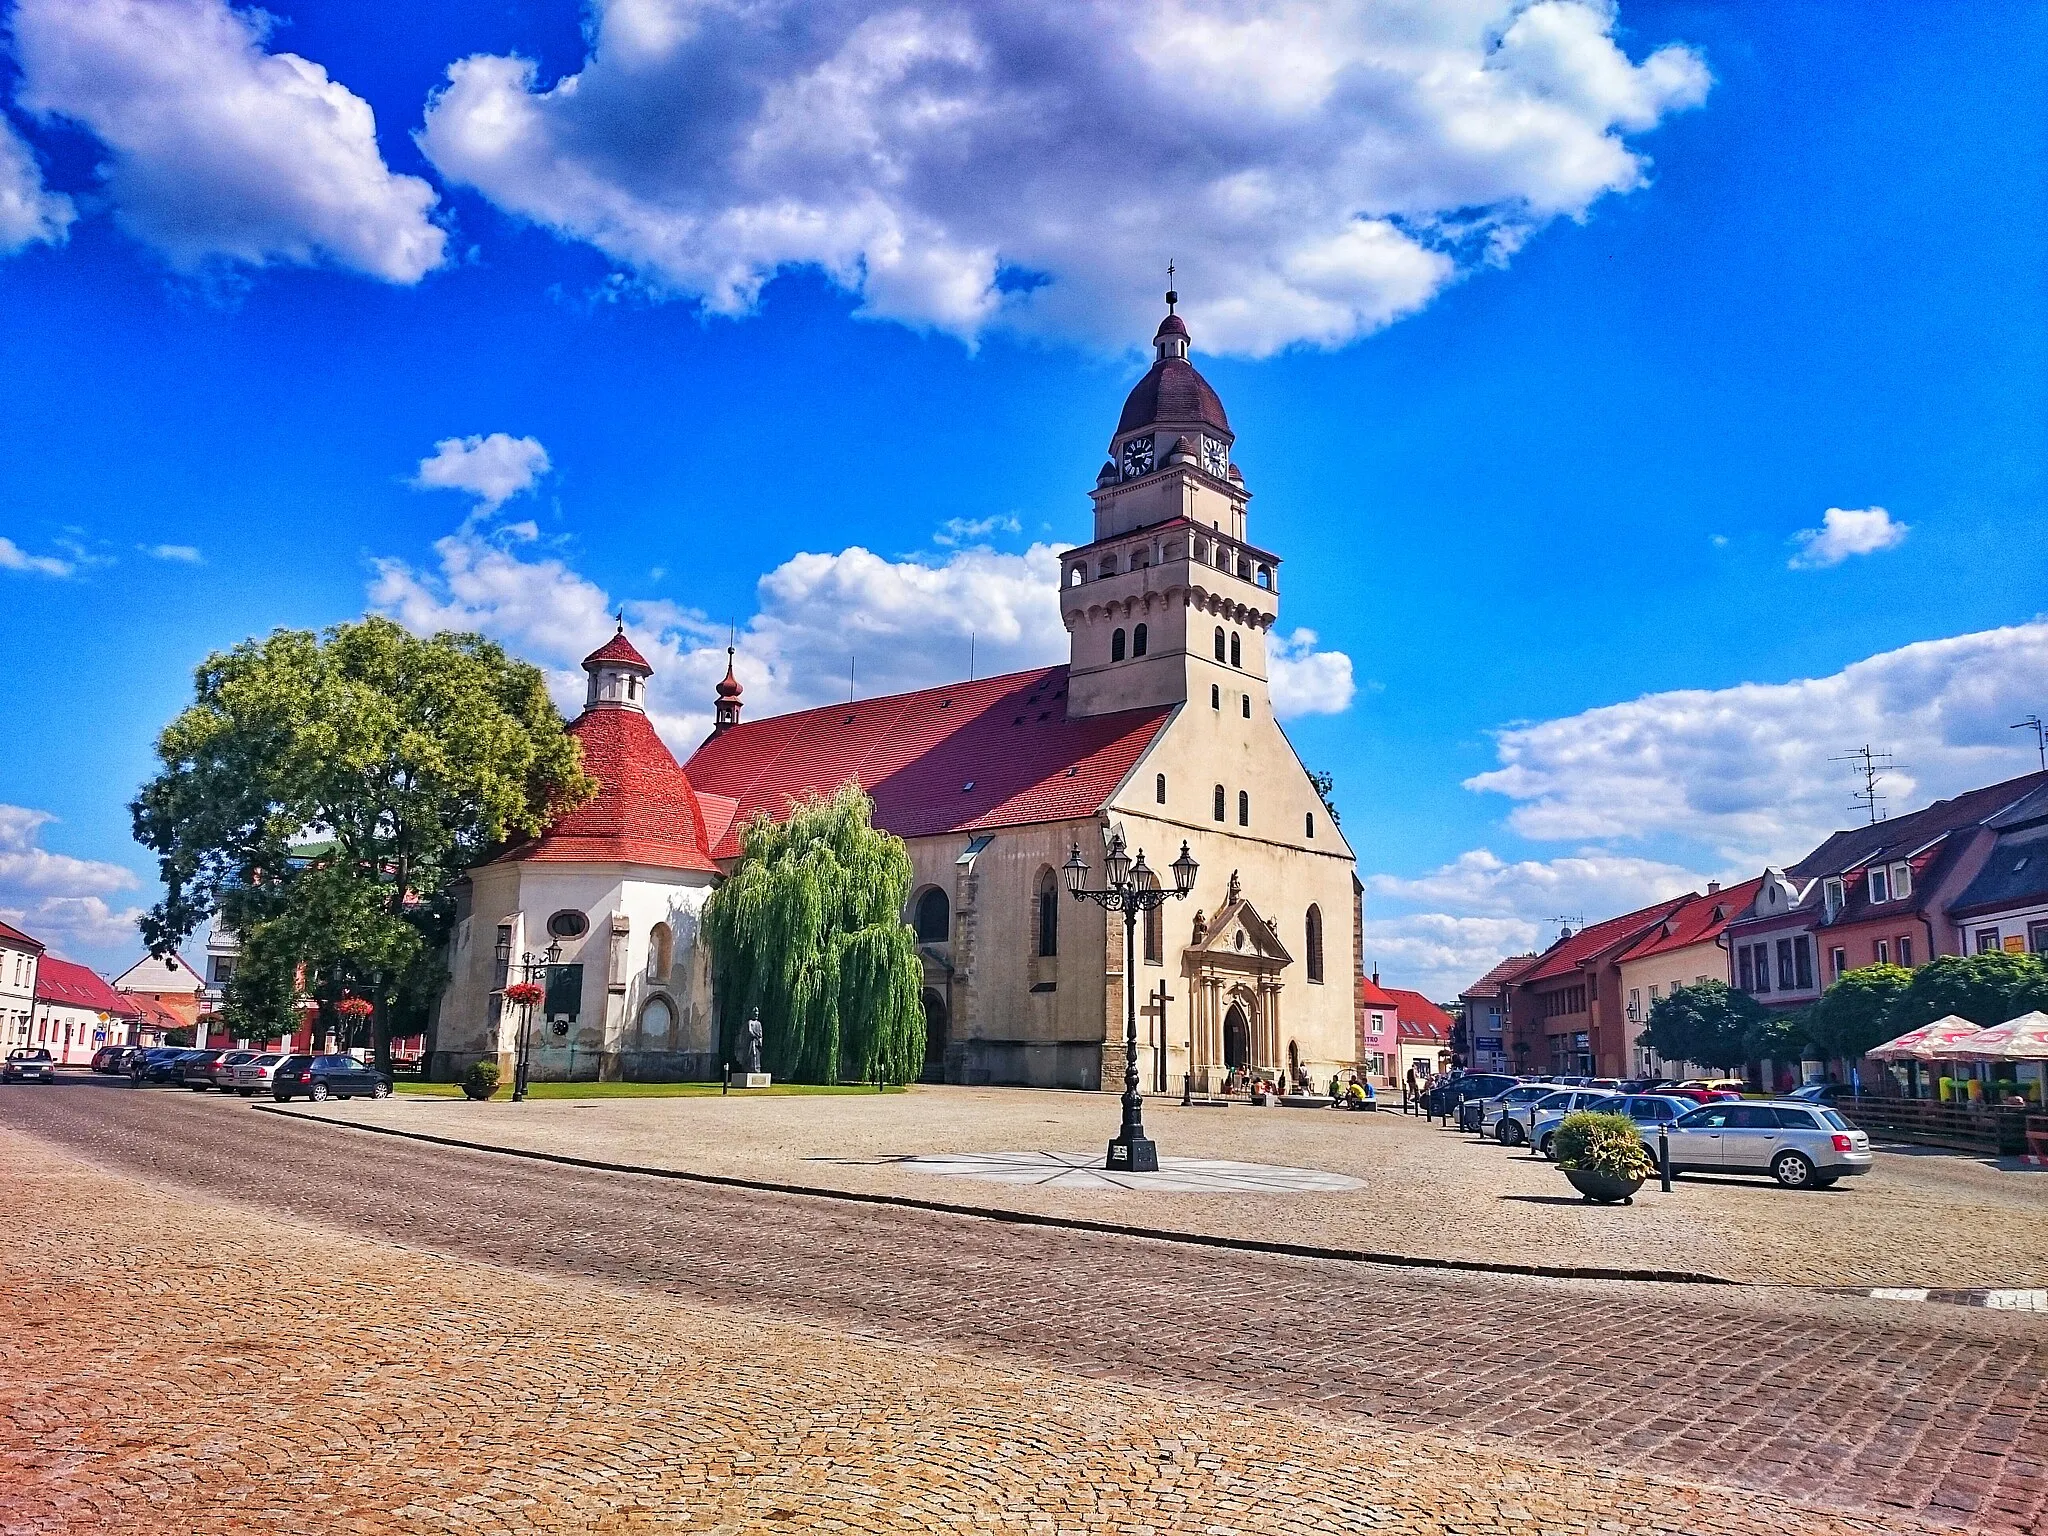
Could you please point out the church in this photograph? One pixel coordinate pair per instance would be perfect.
(1160, 723)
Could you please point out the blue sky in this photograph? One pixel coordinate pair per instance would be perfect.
(1536, 424)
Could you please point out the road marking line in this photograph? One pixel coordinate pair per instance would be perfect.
(2017, 1301)
(1898, 1293)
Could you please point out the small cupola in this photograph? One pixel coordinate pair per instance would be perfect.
(618, 674)
(727, 714)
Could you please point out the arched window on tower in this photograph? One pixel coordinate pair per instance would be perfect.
(1159, 789)
(1247, 702)
(1266, 577)
(1048, 914)
(1138, 641)
(1108, 566)
(1219, 802)
(1116, 646)
(1219, 642)
(1076, 576)
(1244, 808)
(1215, 696)
(1315, 944)
(1236, 654)
(1311, 826)
(934, 917)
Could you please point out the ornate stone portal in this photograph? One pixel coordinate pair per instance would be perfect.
(1234, 972)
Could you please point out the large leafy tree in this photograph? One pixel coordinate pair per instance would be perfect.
(1855, 1013)
(322, 794)
(809, 929)
(1708, 1022)
(1985, 989)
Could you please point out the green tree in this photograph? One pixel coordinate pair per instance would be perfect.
(322, 794)
(1708, 1022)
(1855, 1012)
(809, 929)
(1985, 989)
(1777, 1036)
(1325, 786)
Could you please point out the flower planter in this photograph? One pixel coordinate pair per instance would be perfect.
(1604, 1188)
(476, 1093)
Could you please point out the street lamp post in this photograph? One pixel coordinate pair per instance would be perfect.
(1131, 888)
(528, 964)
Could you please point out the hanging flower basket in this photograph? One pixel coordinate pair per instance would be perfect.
(356, 1007)
(525, 993)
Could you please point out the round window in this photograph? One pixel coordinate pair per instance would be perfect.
(568, 924)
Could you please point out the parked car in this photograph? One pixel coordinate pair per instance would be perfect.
(1495, 1119)
(322, 1077)
(254, 1073)
(1454, 1093)
(1703, 1091)
(31, 1063)
(223, 1064)
(1559, 1102)
(195, 1069)
(1802, 1146)
(158, 1064)
(1823, 1093)
(1647, 1110)
(108, 1058)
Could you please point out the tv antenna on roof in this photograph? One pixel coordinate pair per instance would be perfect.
(2033, 723)
(1870, 766)
(1566, 923)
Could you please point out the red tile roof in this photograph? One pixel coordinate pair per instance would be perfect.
(1419, 1010)
(1172, 392)
(1563, 957)
(1424, 1029)
(73, 986)
(617, 651)
(996, 752)
(645, 811)
(1698, 920)
(1500, 975)
(1372, 995)
(14, 935)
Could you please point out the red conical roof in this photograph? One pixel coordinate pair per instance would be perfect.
(616, 652)
(645, 811)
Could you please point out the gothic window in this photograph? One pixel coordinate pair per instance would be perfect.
(1159, 789)
(1219, 642)
(1236, 655)
(1244, 808)
(1076, 576)
(660, 952)
(1048, 914)
(1138, 641)
(934, 917)
(1116, 646)
(1215, 696)
(1219, 802)
(1246, 700)
(1155, 937)
(1315, 944)
(1311, 826)
(657, 1023)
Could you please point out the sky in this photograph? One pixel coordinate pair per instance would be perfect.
(1650, 401)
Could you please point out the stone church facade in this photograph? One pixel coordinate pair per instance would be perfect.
(1160, 724)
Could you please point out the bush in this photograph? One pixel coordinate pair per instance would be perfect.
(1594, 1143)
(481, 1079)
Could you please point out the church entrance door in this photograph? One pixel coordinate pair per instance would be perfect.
(934, 1035)
(1237, 1039)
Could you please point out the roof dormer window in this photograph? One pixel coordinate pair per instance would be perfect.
(1833, 896)
(1880, 887)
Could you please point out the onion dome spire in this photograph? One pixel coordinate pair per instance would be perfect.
(729, 690)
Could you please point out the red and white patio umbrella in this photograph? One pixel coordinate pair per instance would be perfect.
(2022, 1039)
(1940, 1040)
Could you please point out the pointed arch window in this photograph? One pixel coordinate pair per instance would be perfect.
(1236, 653)
(1215, 696)
(934, 917)
(1138, 641)
(1048, 914)
(1219, 802)
(1247, 702)
(660, 952)
(1116, 646)
(1244, 808)
(1219, 642)
(1311, 829)
(1314, 948)
(1159, 789)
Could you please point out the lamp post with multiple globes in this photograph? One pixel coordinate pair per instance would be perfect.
(529, 965)
(1131, 888)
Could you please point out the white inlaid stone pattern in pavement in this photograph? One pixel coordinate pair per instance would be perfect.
(1176, 1175)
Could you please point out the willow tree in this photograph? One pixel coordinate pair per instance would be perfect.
(809, 930)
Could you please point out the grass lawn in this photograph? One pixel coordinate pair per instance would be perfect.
(627, 1090)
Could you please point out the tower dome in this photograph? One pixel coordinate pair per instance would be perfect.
(727, 713)
(618, 674)
(1172, 391)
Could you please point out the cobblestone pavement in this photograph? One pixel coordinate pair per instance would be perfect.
(1938, 1415)
(1425, 1190)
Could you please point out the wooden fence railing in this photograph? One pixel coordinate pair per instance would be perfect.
(1994, 1131)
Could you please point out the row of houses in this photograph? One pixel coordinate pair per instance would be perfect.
(72, 1011)
(1961, 876)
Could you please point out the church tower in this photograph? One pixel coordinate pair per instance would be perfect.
(1169, 602)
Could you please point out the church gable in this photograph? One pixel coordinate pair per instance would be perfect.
(1239, 934)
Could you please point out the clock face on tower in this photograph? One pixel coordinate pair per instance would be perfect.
(1215, 458)
(1137, 457)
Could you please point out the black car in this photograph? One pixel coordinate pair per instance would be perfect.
(327, 1077)
(195, 1069)
(29, 1064)
(1824, 1093)
(1451, 1096)
(158, 1064)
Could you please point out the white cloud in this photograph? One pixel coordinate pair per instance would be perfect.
(59, 899)
(902, 623)
(1304, 680)
(1845, 533)
(29, 212)
(1744, 772)
(218, 149)
(180, 554)
(956, 531)
(1318, 168)
(14, 558)
(493, 469)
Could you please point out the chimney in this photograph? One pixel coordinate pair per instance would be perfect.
(1713, 887)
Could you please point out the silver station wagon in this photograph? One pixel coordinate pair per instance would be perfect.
(1802, 1146)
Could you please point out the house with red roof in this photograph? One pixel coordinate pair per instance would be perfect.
(77, 1012)
(1565, 1011)
(1425, 1032)
(601, 910)
(1160, 723)
(1379, 1030)
(1686, 948)
(20, 956)
(1486, 1016)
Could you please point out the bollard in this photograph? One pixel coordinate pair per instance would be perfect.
(1187, 1088)
(722, 1092)
(1663, 1157)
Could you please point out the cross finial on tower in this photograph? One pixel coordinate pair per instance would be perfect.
(1172, 298)
(622, 618)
